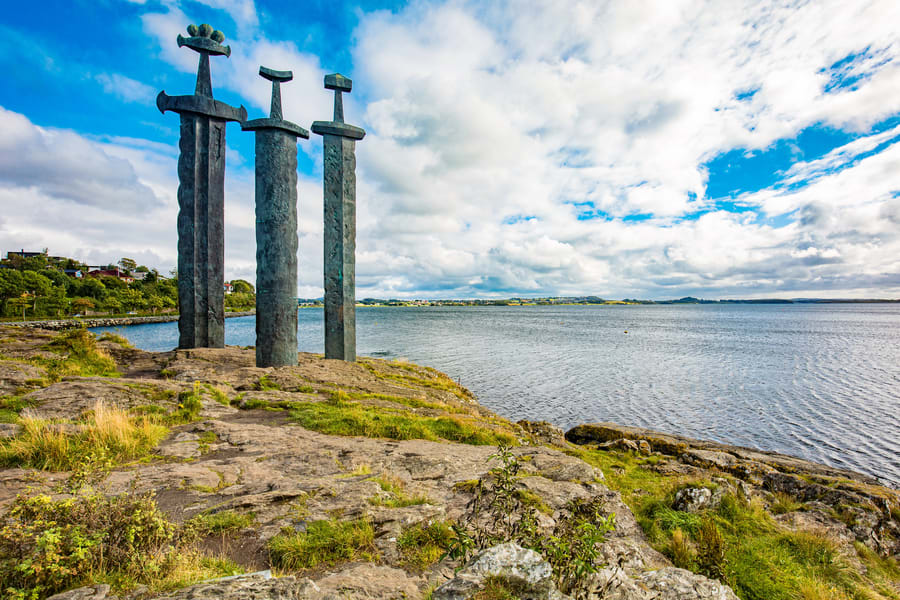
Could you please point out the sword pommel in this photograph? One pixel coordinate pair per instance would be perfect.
(273, 75)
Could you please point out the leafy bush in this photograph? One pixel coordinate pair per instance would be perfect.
(49, 545)
(498, 514)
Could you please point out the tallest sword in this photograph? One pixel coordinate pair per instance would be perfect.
(201, 197)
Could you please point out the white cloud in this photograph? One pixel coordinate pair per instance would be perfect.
(125, 88)
(495, 128)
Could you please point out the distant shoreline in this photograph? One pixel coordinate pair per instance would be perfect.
(90, 322)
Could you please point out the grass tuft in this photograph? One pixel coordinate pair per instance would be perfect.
(79, 356)
(323, 543)
(109, 436)
(422, 545)
(220, 522)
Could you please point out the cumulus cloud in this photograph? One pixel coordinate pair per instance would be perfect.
(536, 148)
(582, 116)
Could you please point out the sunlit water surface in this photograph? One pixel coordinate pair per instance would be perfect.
(816, 381)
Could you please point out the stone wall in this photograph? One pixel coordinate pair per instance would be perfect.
(60, 324)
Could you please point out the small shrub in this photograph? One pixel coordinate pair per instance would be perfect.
(323, 543)
(496, 514)
(49, 545)
(421, 545)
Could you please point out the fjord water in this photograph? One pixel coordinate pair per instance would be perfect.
(817, 381)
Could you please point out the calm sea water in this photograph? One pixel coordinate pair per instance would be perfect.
(817, 381)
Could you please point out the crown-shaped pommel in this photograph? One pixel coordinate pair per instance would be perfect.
(204, 38)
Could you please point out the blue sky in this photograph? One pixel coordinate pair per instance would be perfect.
(625, 149)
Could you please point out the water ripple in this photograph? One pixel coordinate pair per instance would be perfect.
(817, 381)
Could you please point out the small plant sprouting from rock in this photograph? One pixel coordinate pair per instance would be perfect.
(498, 514)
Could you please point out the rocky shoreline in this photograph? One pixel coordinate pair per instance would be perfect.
(89, 322)
(266, 458)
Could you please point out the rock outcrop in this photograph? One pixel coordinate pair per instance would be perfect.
(247, 450)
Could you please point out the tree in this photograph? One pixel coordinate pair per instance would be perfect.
(90, 287)
(113, 305)
(82, 305)
(154, 303)
(128, 264)
(242, 287)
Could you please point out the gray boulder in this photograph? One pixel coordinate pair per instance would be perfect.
(524, 570)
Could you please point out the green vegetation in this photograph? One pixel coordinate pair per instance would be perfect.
(37, 287)
(116, 339)
(740, 543)
(422, 545)
(338, 416)
(266, 384)
(189, 406)
(221, 522)
(439, 381)
(323, 543)
(11, 407)
(109, 436)
(48, 545)
(79, 356)
(397, 496)
(572, 548)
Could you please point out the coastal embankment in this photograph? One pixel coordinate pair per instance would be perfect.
(63, 324)
(193, 474)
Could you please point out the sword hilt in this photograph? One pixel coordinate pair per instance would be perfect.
(276, 77)
(206, 41)
(338, 83)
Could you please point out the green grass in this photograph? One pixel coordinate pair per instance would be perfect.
(323, 543)
(423, 545)
(79, 356)
(116, 339)
(784, 503)
(740, 542)
(221, 522)
(438, 382)
(397, 495)
(109, 436)
(341, 417)
(265, 384)
(189, 406)
(11, 407)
